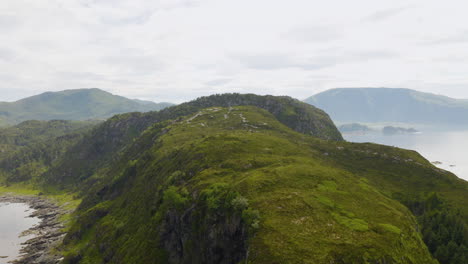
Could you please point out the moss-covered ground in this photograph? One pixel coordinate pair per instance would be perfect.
(304, 200)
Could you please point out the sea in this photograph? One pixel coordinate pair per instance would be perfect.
(447, 150)
(13, 221)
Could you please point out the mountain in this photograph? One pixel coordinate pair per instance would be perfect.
(80, 104)
(111, 137)
(373, 105)
(250, 179)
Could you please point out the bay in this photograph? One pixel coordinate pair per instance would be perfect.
(448, 147)
(13, 221)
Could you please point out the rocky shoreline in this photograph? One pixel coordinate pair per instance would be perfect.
(47, 234)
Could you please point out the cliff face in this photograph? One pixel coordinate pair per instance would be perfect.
(217, 238)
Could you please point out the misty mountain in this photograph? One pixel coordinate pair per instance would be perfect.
(391, 105)
(79, 104)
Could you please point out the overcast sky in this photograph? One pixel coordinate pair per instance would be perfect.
(176, 50)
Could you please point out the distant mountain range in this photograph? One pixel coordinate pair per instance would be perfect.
(79, 104)
(374, 105)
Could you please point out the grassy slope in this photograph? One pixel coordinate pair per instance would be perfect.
(30, 148)
(318, 201)
(107, 141)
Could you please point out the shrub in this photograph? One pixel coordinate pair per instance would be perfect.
(240, 203)
(251, 218)
(173, 199)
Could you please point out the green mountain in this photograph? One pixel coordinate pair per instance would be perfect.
(80, 104)
(373, 105)
(251, 179)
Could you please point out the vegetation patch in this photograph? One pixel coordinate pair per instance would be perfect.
(390, 228)
(352, 223)
(235, 179)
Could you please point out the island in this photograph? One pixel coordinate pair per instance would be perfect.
(390, 130)
(354, 128)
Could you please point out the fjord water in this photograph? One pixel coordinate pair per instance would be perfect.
(13, 221)
(450, 147)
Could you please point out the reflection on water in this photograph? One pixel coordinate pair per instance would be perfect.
(450, 148)
(13, 221)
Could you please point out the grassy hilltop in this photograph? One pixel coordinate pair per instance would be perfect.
(251, 179)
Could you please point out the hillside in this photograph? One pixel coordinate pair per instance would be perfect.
(31, 147)
(252, 179)
(226, 183)
(391, 105)
(108, 140)
(80, 104)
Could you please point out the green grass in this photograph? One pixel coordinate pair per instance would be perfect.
(19, 189)
(148, 186)
(355, 224)
(312, 207)
(390, 228)
(67, 201)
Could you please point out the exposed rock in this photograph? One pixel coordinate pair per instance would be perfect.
(222, 241)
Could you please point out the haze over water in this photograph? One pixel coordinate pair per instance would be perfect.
(13, 221)
(450, 148)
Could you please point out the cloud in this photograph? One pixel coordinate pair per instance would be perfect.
(453, 39)
(140, 18)
(8, 22)
(7, 54)
(134, 64)
(80, 76)
(314, 34)
(385, 14)
(372, 55)
(271, 61)
(276, 61)
(178, 49)
(218, 82)
(451, 89)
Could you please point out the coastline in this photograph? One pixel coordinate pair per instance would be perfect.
(47, 234)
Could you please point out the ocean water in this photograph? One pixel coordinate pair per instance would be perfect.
(450, 148)
(13, 221)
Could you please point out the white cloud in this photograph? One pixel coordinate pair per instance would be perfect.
(313, 33)
(175, 50)
(459, 38)
(385, 14)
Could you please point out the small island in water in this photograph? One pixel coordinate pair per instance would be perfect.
(391, 130)
(354, 128)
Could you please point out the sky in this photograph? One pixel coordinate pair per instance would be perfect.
(178, 50)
